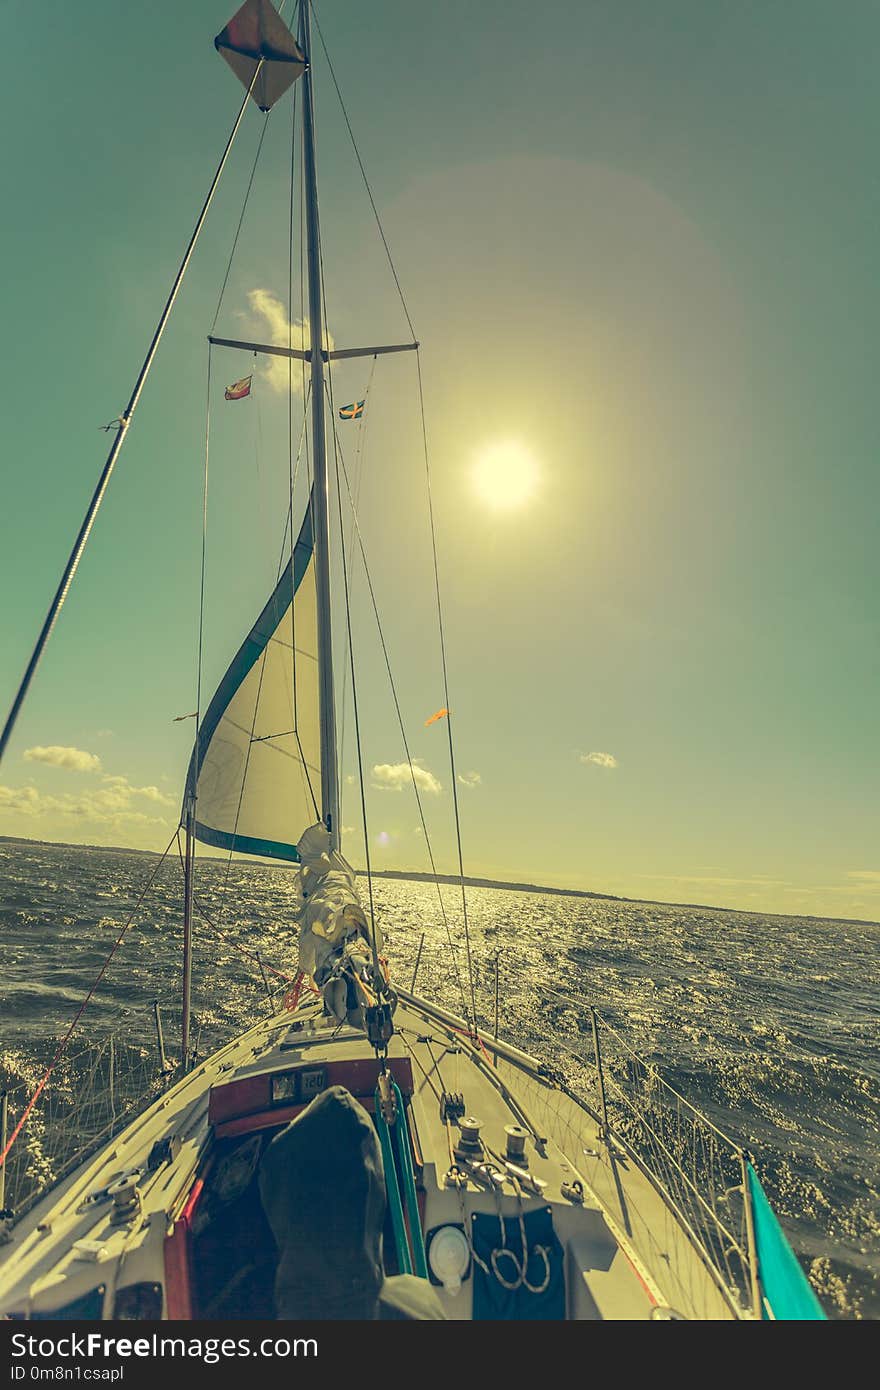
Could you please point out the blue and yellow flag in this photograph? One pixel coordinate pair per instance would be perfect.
(353, 411)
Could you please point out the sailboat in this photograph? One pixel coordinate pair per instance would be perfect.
(364, 1152)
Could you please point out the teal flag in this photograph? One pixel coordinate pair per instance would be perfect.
(787, 1292)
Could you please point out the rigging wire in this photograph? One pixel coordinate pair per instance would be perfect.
(430, 512)
(358, 479)
(328, 387)
(290, 464)
(446, 701)
(363, 173)
(191, 790)
(240, 220)
(388, 667)
(354, 701)
(124, 421)
(86, 1001)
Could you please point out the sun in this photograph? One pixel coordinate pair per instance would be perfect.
(505, 475)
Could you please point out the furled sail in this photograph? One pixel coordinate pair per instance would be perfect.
(255, 773)
(257, 33)
(335, 938)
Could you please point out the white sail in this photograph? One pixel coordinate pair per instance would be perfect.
(255, 773)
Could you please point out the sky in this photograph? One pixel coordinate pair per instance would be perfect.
(638, 246)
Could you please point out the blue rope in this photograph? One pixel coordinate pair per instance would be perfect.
(393, 1190)
(409, 1189)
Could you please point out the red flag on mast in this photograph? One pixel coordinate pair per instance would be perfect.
(239, 389)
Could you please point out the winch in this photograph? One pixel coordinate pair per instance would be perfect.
(468, 1145)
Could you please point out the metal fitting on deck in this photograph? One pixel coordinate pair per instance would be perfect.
(126, 1199)
(469, 1144)
(516, 1144)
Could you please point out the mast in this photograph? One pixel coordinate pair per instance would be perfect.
(321, 508)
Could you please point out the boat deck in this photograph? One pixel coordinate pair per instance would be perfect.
(559, 1226)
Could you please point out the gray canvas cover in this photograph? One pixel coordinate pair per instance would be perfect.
(322, 1186)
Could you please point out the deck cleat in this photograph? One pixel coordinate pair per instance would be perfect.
(163, 1151)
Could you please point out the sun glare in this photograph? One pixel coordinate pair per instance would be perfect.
(505, 475)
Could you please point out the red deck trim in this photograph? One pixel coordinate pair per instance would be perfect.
(253, 1095)
(195, 1194)
(177, 1251)
(178, 1298)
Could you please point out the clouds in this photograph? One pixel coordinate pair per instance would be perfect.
(599, 759)
(110, 806)
(118, 791)
(279, 372)
(24, 800)
(73, 759)
(114, 803)
(396, 776)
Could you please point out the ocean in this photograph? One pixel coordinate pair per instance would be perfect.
(768, 1024)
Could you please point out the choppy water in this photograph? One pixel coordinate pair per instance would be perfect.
(768, 1024)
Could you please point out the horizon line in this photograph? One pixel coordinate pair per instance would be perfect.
(474, 881)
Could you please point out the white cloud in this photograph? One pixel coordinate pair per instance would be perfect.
(866, 878)
(118, 791)
(599, 759)
(279, 372)
(396, 776)
(154, 794)
(108, 806)
(469, 779)
(24, 800)
(74, 759)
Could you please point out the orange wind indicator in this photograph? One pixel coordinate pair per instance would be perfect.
(434, 717)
